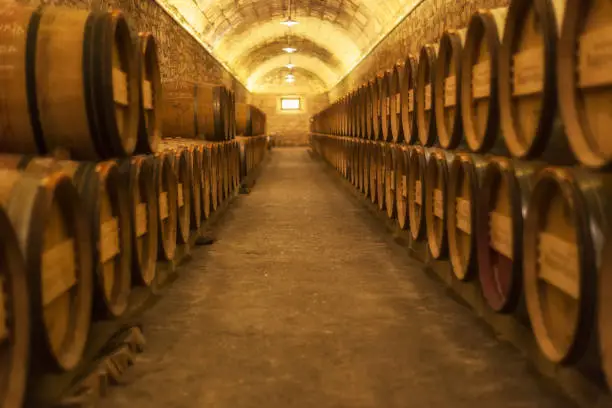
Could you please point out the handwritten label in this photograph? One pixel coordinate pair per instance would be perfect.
(141, 219)
(464, 215)
(428, 97)
(120, 89)
(404, 186)
(392, 179)
(450, 91)
(58, 271)
(595, 58)
(109, 239)
(147, 95)
(500, 232)
(398, 103)
(388, 106)
(528, 72)
(558, 263)
(418, 192)
(181, 201)
(481, 80)
(411, 100)
(438, 203)
(163, 205)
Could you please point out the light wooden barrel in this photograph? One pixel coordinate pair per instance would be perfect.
(408, 101)
(463, 200)
(54, 237)
(352, 130)
(377, 101)
(195, 168)
(222, 173)
(527, 82)
(395, 102)
(226, 170)
(354, 154)
(381, 174)
(364, 173)
(436, 195)
(65, 72)
(14, 331)
(211, 112)
(401, 186)
(363, 111)
(503, 198)
(182, 170)
(425, 89)
(166, 186)
(244, 124)
(178, 113)
(213, 155)
(232, 116)
(150, 122)
(417, 169)
(565, 230)
(479, 89)
(385, 106)
(374, 157)
(370, 103)
(392, 151)
(448, 89)
(584, 81)
(205, 182)
(139, 173)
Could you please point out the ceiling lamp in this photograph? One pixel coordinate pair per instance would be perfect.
(289, 50)
(289, 22)
(290, 78)
(290, 66)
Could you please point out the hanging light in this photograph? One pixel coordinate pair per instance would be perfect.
(289, 50)
(290, 78)
(290, 65)
(289, 22)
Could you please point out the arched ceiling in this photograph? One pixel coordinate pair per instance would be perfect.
(247, 37)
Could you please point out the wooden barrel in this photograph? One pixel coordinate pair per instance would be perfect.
(182, 170)
(150, 122)
(503, 198)
(227, 171)
(425, 88)
(244, 124)
(55, 240)
(463, 200)
(417, 168)
(390, 175)
(364, 173)
(232, 118)
(211, 112)
(583, 83)
(395, 102)
(401, 186)
(179, 114)
(362, 109)
(14, 332)
(204, 182)
(166, 187)
(408, 101)
(528, 83)
(354, 161)
(139, 172)
(385, 99)
(374, 156)
(377, 102)
(479, 99)
(436, 193)
(222, 172)
(60, 53)
(447, 89)
(370, 102)
(565, 231)
(381, 176)
(213, 154)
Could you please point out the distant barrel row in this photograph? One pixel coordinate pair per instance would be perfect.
(78, 236)
(534, 236)
(530, 81)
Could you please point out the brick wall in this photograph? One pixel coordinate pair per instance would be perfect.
(425, 24)
(181, 56)
(289, 128)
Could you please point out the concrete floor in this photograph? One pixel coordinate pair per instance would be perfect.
(304, 301)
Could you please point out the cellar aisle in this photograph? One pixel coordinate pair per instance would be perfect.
(304, 301)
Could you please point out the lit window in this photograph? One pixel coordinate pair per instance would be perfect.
(290, 103)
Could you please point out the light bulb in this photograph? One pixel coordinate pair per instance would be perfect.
(290, 78)
(289, 22)
(290, 66)
(289, 50)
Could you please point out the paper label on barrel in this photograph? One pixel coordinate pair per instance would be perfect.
(450, 91)
(558, 264)
(398, 102)
(392, 179)
(109, 239)
(418, 192)
(141, 219)
(181, 201)
(411, 100)
(438, 203)
(147, 95)
(404, 186)
(388, 106)
(595, 58)
(528, 78)
(120, 89)
(464, 215)
(500, 231)
(163, 205)
(481, 80)
(428, 97)
(58, 271)
(3, 326)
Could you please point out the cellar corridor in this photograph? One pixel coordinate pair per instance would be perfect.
(304, 300)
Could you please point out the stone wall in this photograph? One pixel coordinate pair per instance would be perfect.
(425, 24)
(181, 56)
(289, 128)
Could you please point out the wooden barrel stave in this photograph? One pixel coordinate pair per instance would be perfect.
(408, 101)
(417, 169)
(425, 90)
(395, 102)
(385, 106)
(166, 188)
(150, 122)
(436, 193)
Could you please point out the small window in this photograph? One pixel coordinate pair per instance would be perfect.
(290, 104)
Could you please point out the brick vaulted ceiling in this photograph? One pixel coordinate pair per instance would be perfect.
(331, 37)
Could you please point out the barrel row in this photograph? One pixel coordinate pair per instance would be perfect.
(78, 237)
(77, 82)
(250, 120)
(528, 81)
(531, 235)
